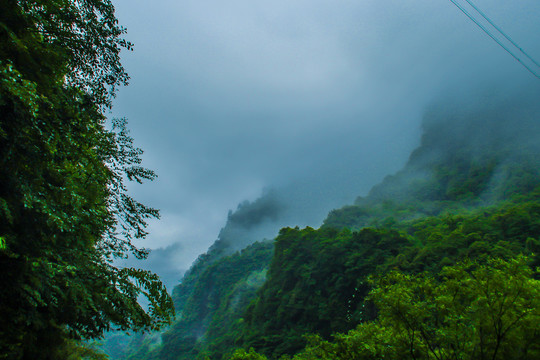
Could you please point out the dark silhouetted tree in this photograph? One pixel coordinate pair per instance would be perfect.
(64, 209)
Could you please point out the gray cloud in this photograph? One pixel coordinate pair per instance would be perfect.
(166, 262)
(317, 99)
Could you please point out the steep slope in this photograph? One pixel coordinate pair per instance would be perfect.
(470, 190)
(210, 304)
(471, 154)
(318, 279)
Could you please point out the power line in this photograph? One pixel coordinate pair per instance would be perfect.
(502, 32)
(473, 19)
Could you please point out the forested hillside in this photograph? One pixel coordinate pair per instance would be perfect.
(462, 215)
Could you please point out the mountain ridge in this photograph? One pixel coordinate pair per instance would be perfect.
(469, 190)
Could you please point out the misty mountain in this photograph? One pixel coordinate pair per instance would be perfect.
(251, 221)
(473, 152)
(470, 190)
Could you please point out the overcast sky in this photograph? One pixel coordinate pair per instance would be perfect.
(320, 99)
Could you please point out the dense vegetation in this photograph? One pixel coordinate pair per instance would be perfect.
(210, 302)
(322, 289)
(64, 210)
(466, 311)
(436, 262)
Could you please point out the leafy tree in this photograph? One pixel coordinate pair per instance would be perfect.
(64, 209)
(470, 311)
(241, 354)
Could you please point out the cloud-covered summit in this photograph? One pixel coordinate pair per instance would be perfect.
(317, 99)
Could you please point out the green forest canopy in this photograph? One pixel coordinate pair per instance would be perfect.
(468, 311)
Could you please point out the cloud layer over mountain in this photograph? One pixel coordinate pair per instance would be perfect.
(318, 100)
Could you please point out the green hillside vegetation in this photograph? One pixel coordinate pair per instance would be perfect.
(466, 311)
(436, 262)
(318, 279)
(216, 303)
(469, 192)
(209, 302)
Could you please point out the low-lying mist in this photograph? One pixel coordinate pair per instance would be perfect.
(491, 126)
(297, 108)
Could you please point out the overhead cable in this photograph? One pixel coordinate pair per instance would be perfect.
(497, 40)
(502, 32)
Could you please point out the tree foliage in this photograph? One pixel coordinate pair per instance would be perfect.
(242, 354)
(468, 311)
(317, 280)
(65, 211)
(316, 283)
